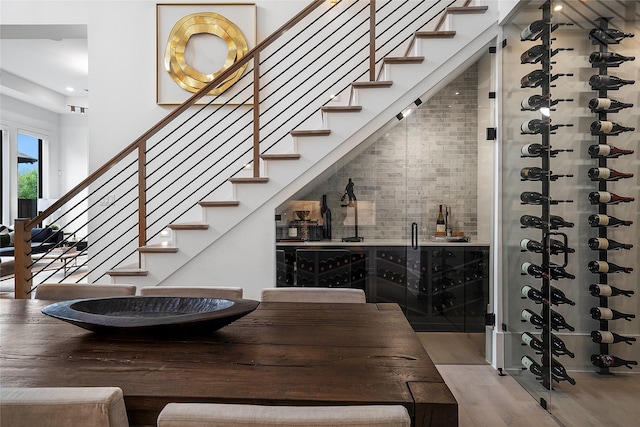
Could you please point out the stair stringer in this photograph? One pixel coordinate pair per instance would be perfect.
(244, 236)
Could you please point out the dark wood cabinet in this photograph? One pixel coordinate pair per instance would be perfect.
(439, 288)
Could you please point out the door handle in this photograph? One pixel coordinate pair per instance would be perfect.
(414, 235)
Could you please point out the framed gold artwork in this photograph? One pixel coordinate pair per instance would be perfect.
(196, 42)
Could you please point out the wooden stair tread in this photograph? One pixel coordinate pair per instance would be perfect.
(158, 248)
(342, 108)
(435, 34)
(218, 203)
(189, 226)
(310, 132)
(467, 9)
(404, 59)
(138, 272)
(249, 180)
(377, 83)
(287, 156)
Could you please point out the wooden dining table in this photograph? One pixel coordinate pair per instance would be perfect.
(280, 354)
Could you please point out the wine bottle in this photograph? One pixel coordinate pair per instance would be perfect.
(532, 342)
(606, 82)
(557, 296)
(534, 198)
(533, 270)
(534, 368)
(326, 218)
(533, 31)
(533, 294)
(556, 272)
(531, 221)
(607, 337)
(605, 127)
(538, 174)
(441, 227)
(603, 244)
(610, 59)
(601, 220)
(555, 222)
(558, 347)
(605, 313)
(534, 126)
(608, 36)
(558, 247)
(534, 54)
(607, 174)
(533, 150)
(534, 78)
(533, 318)
(604, 267)
(602, 290)
(533, 174)
(531, 246)
(535, 102)
(606, 197)
(559, 371)
(604, 150)
(609, 361)
(606, 105)
(558, 322)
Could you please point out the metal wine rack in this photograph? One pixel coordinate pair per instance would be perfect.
(547, 370)
(603, 24)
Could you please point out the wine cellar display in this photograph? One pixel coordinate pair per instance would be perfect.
(606, 177)
(553, 247)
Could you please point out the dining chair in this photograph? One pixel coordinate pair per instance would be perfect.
(62, 406)
(223, 292)
(67, 291)
(224, 414)
(335, 295)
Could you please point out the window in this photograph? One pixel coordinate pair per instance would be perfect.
(29, 175)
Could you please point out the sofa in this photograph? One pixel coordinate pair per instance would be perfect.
(42, 240)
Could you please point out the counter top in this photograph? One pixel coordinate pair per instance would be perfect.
(375, 242)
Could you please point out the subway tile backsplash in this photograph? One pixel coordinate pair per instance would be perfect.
(429, 158)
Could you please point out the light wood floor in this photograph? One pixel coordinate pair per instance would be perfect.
(487, 399)
(484, 398)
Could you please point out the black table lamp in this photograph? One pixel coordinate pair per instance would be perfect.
(353, 201)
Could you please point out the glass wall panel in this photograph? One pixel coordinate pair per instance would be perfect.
(587, 128)
(426, 158)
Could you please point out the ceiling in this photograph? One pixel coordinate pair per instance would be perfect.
(582, 13)
(39, 62)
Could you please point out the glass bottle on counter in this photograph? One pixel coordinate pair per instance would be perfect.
(441, 226)
(326, 218)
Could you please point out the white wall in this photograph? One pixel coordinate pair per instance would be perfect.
(17, 117)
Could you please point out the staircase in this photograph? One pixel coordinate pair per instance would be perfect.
(232, 244)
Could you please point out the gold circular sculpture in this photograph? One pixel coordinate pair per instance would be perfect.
(188, 77)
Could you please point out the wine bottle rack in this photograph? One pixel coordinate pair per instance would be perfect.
(549, 369)
(441, 288)
(604, 187)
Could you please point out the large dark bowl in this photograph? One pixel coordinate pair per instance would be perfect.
(150, 314)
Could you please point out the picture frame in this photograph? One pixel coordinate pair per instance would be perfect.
(203, 42)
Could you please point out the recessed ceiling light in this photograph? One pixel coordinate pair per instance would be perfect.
(558, 7)
(70, 89)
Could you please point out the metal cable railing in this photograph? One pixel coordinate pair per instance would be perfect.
(322, 53)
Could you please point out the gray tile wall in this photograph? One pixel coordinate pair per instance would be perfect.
(429, 158)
